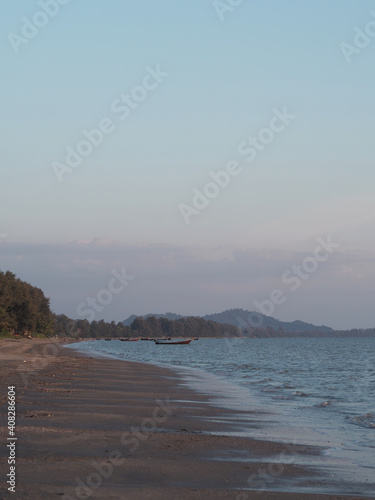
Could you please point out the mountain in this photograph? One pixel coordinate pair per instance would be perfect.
(245, 319)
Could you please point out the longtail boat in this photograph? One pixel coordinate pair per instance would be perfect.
(172, 342)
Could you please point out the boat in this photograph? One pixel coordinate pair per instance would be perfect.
(172, 342)
(132, 340)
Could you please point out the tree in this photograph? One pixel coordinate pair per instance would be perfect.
(23, 307)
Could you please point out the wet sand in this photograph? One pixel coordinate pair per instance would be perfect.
(109, 429)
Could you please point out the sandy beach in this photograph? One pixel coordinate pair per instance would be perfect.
(109, 429)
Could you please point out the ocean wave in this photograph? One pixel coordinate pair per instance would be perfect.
(269, 389)
(324, 404)
(366, 420)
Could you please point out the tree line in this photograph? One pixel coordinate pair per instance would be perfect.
(150, 327)
(24, 310)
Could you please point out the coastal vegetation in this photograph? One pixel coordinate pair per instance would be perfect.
(25, 311)
(150, 327)
(191, 326)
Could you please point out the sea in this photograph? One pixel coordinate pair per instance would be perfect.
(312, 391)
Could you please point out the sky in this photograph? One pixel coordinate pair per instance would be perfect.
(203, 148)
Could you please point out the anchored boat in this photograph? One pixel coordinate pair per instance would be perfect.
(172, 342)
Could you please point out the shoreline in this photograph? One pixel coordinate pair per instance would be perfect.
(95, 427)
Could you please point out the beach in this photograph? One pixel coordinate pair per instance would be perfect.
(110, 429)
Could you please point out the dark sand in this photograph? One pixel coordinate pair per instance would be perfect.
(93, 428)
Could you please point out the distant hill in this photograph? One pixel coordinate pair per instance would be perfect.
(245, 319)
(170, 316)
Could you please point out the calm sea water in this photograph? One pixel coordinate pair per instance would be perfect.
(314, 391)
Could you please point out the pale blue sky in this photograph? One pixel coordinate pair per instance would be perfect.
(225, 79)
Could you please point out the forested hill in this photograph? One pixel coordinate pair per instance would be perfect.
(245, 320)
(169, 315)
(24, 309)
